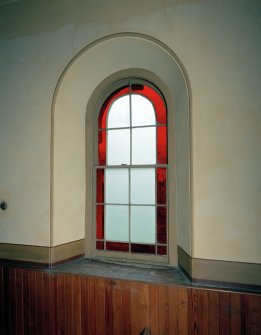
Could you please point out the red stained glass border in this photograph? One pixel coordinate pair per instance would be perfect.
(162, 154)
(100, 222)
(117, 246)
(100, 245)
(143, 248)
(100, 185)
(162, 224)
(162, 250)
(161, 186)
(102, 147)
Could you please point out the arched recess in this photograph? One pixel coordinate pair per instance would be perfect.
(76, 100)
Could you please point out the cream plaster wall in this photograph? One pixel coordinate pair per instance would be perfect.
(219, 44)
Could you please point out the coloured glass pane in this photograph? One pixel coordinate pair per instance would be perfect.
(119, 113)
(102, 147)
(100, 245)
(117, 246)
(157, 100)
(162, 144)
(143, 186)
(99, 185)
(142, 111)
(107, 104)
(117, 186)
(143, 248)
(162, 250)
(144, 145)
(99, 222)
(161, 225)
(161, 186)
(117, 223)
(143, 224)
(118, 147)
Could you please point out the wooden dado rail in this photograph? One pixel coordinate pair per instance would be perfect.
(39, 302)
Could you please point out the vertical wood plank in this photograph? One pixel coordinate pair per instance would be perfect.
(213, 312)
(91, 306)
(182, 311)
(250, 314)
(126, 303)
(68, 292)
(1, 300)
(39, 301)
(193, 324)
(77, 305)
(256, 308)
(224, 313)
(6, 299)
(46, 304)
(118, 309)
(154, 309)
(26, 302)
(12, 301)
(60, 304)
(53, 304)
(32, 302)
(100, 306)
(19, 302)
(163, 310)
(202, 297)
(144, 306)
(173, 307)
(109, 316)
(84, 306)
(135, 309)
(235, 320)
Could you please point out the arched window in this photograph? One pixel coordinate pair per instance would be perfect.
(131, 175)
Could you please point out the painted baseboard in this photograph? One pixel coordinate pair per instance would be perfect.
(207, 270)
(45, 256)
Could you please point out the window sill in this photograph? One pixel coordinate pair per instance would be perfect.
(148, 273)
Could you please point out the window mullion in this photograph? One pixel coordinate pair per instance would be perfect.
(130, 109)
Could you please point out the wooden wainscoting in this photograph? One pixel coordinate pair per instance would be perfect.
(40, 302)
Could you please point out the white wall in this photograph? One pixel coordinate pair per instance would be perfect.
(218, 42)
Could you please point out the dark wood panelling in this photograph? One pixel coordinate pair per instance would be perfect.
(1, 300)
(39, 302)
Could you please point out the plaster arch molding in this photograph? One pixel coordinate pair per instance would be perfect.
(86, 76)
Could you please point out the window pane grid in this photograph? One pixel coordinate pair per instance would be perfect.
(159, 201)
(157, 248)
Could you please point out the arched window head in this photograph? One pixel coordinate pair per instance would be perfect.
(131, 175)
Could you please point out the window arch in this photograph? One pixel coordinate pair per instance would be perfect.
(131, 173)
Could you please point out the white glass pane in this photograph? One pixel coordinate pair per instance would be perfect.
(144, 145)
(118, 147)
(119, 113)
(142, 110)
(143, 186)
(143, 224)
(117, 186)
(117, 223)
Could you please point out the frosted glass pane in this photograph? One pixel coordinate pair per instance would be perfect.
(119, 114)
(143, 186)
(117, 223)
(116, 186)
(142, 110)
(143, 224)
(144, 145)
(118, 147)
